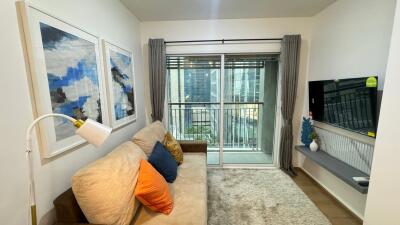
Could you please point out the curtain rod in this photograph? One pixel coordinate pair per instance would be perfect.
(225, 40)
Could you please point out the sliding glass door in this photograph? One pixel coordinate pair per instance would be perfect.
(194, 100)
(234, 113)
(249, 108)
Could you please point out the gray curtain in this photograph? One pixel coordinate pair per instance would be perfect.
(290, 56)
(157, 73)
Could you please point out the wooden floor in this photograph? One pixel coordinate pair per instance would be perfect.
(333, 210)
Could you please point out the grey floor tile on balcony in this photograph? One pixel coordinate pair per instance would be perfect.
(240, 158)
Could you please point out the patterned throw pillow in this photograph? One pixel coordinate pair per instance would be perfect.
(172, 145)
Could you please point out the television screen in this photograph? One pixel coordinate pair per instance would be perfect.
(348, 103)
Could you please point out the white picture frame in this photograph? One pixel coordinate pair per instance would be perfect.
(65, 76)
(120, 79)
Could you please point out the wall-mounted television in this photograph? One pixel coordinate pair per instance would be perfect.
(346, 103)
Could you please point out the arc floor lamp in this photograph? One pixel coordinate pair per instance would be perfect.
(90, 130)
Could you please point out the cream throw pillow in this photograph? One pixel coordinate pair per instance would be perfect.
(105, 188)
(147, 137)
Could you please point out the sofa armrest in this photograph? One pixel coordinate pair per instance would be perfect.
(68, 210)
(194, 146)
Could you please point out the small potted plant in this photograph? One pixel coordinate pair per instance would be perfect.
(314, 145)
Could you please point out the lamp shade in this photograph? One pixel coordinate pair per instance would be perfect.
(95, 133)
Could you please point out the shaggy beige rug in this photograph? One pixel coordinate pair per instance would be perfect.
(258, 197)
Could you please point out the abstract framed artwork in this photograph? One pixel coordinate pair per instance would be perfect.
(120, 78)
(65, 77)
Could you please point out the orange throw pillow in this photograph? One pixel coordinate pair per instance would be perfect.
(152, 189)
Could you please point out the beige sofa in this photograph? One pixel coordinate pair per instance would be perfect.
(189, 191)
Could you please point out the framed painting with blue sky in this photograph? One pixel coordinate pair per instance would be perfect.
(65, 76)
(121, 89)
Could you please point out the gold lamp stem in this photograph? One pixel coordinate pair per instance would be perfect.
(95, 133)
(78, 123)
(33, 214)
(28, 150)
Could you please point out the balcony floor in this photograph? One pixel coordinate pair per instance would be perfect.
(240, 158)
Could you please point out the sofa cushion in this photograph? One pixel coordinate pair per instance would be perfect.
(173, 147)
(147, 137)
(163, 162)
(189, 196)
(104, 189)
(152, 190)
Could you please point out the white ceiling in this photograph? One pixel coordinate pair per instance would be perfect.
(153, 10)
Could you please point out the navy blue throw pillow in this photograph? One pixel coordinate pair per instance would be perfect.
(163, 162)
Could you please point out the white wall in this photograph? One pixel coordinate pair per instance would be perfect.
(233, 28)
(350, 38)
(383, 198)
(105, 18)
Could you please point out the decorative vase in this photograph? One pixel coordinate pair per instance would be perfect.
(307, 129)
(314, 146)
